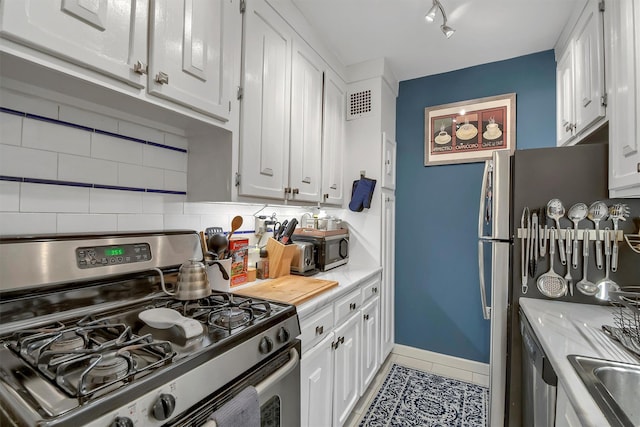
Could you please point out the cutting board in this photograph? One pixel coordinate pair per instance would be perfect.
(290, 289)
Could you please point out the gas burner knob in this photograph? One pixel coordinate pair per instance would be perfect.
(283, 335)
(266, 345)
(122, 422)
(163, 407)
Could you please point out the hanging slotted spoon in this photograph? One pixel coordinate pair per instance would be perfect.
(551, 284)
(576, 213)
(597, 212)
(555, 211)
(617, 212)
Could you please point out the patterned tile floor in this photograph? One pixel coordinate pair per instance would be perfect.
(363, 404)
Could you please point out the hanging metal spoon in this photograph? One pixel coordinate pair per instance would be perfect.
(598, 211)
(576, 213)
(584, 285)
(555, 211)
(606, 285)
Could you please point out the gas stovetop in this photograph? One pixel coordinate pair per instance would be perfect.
(86, 347)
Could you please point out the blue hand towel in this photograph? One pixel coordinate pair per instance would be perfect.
(361, 194)
(241, 411)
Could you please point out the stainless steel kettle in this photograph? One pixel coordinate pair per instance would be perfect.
(193, 282)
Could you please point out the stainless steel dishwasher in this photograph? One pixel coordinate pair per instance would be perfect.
(539, 381)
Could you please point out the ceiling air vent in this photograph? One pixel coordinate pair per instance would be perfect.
(359, 104)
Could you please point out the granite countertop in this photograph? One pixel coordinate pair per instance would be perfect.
(565, 328)
(348, 277)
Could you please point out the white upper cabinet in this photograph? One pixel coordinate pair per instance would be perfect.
(187, 52)
(292, 116)
(333, 139)
(580, 76)
(624, 127)
(107, 36)
(264, 133)
(306, 123)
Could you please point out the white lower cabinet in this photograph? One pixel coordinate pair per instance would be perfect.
(316, 391)
(346, 390)
(340, 355)
(370, 342)
(565, 414)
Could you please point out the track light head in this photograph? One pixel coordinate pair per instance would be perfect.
(431, 15)
(447, 30)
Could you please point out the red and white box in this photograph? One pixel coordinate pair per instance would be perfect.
(239, 252)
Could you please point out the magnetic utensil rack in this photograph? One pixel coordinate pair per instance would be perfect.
(582, 234)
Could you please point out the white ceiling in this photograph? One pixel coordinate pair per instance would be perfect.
(486, 31)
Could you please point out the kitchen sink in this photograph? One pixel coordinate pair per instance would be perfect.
(613, 385)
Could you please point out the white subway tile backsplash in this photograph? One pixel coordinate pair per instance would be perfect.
(204, 208)
(132, 222)
(15, 223)
(53, 198)
(140, 176)
(80, 223)
(115, 201)
(87, 118)
(152, 203)
(181, 222)
(158, 157)
(27, 162)
(10, 129)
(175, 181)
(141, 132)
(87, 170)
(28, 104)
(9, 196)
(174, 203)
(117, 149)
(176, 141)
(219, 220)
(55, 137)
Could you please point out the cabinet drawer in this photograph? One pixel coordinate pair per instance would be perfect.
(316, 327)
(371, 290)
(347, 305)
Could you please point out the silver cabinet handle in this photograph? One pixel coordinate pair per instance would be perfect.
(366, 317)
(352, 306)
(162, 78)
(319, 330)
(140, 68)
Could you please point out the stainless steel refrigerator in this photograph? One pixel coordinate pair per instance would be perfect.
(531, 178)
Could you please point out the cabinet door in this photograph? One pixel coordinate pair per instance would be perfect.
(387, 313)
(107, 36)
(187, 51)
(624, 128)
(347, 369)
(589, 67)
(566, 415)
(370, 342)
(264, 127)
(388, 162)
(565, 96)
(306, 123)
(316, 373)
(333, 139)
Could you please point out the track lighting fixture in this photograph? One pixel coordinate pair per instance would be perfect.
(431, 16)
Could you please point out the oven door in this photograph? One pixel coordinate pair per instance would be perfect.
(277, 381)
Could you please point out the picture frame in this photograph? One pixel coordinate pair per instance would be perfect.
(469, 131)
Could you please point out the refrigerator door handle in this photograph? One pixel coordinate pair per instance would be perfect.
(484, 192)
(486, 310)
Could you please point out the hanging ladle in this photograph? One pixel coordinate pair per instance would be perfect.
(597, 212)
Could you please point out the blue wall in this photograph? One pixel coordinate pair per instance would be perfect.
(437, 291)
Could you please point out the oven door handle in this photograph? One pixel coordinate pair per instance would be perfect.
(280, 373)
(274, 378)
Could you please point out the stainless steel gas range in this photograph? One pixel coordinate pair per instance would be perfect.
(74, 350)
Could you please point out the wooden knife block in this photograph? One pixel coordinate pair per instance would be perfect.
(280, 257)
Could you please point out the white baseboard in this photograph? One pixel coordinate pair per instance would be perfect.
(442, 359)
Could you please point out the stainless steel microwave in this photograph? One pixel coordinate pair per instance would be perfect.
(332, 249)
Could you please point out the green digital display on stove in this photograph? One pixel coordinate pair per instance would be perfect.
(114, 251)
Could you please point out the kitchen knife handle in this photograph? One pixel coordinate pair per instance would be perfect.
(288, 232)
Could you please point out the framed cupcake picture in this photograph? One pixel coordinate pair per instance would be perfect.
(469, 131)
